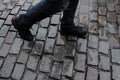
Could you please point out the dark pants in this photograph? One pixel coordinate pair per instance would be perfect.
(46, 8)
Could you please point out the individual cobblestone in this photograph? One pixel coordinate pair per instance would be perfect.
(32, 62)
(42, 76)
(79, 76)
(52, 31)
(38, 48)
(60, 40)
(92, 74)
(26, 6)
(45, 22)
(15, 10)
(114, 41)
(104, 47)
(8, 20)
(93, 16)
(103, 34)
(23, 57)
(80, 60)
(70, 49)
(94, 7)
(112, 28)
(56, 70)
(46, 63)
(55, 19)
(105, 75)
(29, 75)
(115, 55)
(28, 45)
(4, 30)
(5, 14)
(92, 57)
(49, 45)
(42, 32)
(15, 49)
(93, 27)
(10, 37)
(18, 71)
(67, 68)
(116, 72)
(93, 41)
(104, 63)
(81, 45)
(59, 53)
(102, 11)
(4, 50)
(102, 20)
(111, 16)
(7, 67)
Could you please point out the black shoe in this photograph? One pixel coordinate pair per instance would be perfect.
(23, 32)
(72, 30)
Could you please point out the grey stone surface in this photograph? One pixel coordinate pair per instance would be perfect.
(52, 31)
(104, 63)
(32, 62)
(102, 10)
(105, 75)
(46, 63)
(55, 19)
(67, 68)
(115, 55)
(70, 49)
(80, 60)
(92, 74)
(29, 75)
(112, 28)
(23, 57)
(59, 53)
(51, 56)
(93, 41)
(38, 48)
(49, 45)
(42, 32)
(4, 50)
(104, 47)
(7, 67)
(116, 72)
(92, 57)
(93, 16)
(60, 40)
(79, 76)
(26, 6)
(56, 70)
(4, 30)
(18, 71)
(81, 45)
(15, 10)
(16, 46)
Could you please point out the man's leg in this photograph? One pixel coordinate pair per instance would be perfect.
(67, 22)
(43, 9)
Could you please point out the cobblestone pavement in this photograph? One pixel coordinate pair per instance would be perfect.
(52, 56)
